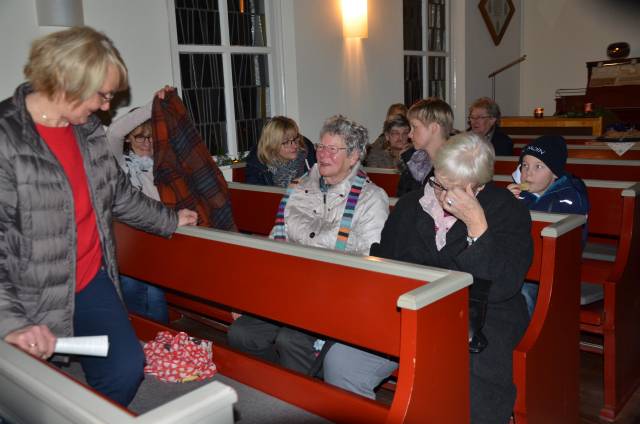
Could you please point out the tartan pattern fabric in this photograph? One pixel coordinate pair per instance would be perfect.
(184, 172)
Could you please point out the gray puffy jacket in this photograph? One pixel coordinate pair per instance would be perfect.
(37, 222)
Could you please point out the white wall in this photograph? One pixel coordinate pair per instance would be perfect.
(357, 78)
(138, 28)
(559, 36)
(484, 57)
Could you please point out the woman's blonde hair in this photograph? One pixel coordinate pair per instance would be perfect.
(433, 109)
(74, 63)
(466, 157)
(272, 137)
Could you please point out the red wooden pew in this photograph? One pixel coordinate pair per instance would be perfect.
(287, 283)
(616, 170)
(556, 317)
(34, 391)
(611, 260)
(591, 151)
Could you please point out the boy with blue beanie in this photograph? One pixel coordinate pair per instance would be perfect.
(545, 186)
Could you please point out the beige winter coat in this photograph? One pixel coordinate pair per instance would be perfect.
(312, 218)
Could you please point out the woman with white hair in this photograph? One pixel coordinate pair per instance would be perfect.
(336, 207)
(461, 221)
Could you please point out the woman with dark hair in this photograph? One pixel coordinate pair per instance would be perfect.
(395, 142)
(130, 139)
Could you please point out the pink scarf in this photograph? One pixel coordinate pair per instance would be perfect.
(443, 220)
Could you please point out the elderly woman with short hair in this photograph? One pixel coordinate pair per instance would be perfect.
(461, 221)
(484, 120)
(336, 207)
(59, 190)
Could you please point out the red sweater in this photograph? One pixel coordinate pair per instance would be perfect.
(64, 146)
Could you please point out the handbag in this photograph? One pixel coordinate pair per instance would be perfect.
(478, 299)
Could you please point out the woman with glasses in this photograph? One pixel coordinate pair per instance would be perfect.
(386, 154)
(59, 191)
(462, 221)
(130, 139)
(484, 120)
(282, 154)
(335, 206)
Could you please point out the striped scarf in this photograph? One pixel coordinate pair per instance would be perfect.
(347, 216)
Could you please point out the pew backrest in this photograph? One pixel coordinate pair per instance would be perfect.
(36, 392)
(617, 170)
(595, 150)
(380, 305)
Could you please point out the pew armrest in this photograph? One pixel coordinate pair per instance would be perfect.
(437, 289)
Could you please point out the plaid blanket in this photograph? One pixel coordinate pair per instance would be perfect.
(184, 172)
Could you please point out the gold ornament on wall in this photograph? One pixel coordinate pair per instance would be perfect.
(497, 14)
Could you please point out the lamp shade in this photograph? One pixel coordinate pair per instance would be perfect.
(354, 19)
(65, 13)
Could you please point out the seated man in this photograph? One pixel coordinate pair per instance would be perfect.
(543, 185)
(484, 120)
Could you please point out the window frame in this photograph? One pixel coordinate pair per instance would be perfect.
(425, 53)
(273, 52)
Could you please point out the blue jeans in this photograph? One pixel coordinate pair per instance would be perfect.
(99, 311)
(530, 293)
(144, 299)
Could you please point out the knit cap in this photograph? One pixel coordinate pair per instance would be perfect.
(550, 149)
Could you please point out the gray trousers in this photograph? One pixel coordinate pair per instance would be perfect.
(274, 343)
(356, 370)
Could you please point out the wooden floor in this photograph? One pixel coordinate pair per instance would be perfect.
(591, 393)
(591, 396)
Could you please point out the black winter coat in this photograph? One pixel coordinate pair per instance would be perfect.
(502, 255)
(502, 143)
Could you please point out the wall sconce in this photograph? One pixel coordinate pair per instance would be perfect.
(354, 19)
(66, 13)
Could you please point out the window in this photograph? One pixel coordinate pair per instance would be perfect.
(426, 49)
(223, 54)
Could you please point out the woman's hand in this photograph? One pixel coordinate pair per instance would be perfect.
(36, 340)
(463, 205)
(515, 189)
(187, 217)
(167, 89)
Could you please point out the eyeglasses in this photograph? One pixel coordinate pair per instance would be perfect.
(398, 133)
(291, 142)
(477, 118)
(105, 97)
(332, 150)
(435, 184)
(141, 138)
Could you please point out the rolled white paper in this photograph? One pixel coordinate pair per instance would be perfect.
(90, 345)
